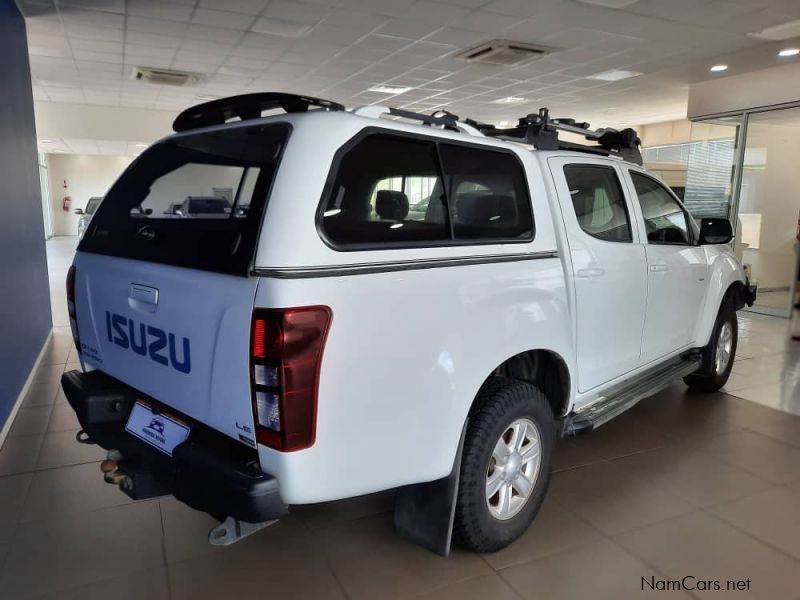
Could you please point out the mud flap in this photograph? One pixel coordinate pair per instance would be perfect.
(424, 512)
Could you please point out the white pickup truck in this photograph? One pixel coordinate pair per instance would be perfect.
(417, 302)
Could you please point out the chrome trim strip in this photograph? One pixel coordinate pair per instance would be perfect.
(404, 265)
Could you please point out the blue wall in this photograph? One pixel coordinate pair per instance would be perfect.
(24, 290)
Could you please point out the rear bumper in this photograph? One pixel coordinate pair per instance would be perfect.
(208, 471)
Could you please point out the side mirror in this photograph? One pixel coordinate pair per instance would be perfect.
(78, 211)
(179, 212)
(715, 231)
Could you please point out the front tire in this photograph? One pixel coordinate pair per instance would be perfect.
(505, 466)
(719, 355)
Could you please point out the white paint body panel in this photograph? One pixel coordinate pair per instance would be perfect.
(676, 288)
(405, 356)
(407, 350)
(610, 280)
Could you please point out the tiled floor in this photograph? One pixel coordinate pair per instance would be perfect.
(683, 484)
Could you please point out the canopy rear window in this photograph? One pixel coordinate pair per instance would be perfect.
(192, 201)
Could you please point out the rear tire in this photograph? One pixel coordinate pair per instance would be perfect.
(505, 466)
(719, 355)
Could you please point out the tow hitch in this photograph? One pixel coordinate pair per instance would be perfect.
(110, 468)
(232, 530)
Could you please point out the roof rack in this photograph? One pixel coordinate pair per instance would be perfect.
(537, 129)
(541, 131)
(439, 118)
(247, 106)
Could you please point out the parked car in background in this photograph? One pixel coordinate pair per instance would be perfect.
(86, 213)
(204, 206)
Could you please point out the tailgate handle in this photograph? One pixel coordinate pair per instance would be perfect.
(142, 297)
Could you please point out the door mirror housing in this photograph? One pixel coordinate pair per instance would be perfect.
(715, 231)
(78, 211)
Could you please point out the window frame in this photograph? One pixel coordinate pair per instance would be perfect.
(629, 213)
(693, 237)
(242, 261)
(373, 130)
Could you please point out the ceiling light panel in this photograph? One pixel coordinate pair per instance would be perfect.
(614, 75)
(610, 3)
(389, 89)
(784, 31)
(510, 100)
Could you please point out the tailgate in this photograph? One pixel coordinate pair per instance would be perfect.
(179, 335)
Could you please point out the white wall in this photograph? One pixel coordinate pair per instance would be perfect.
(767, 87)
(772, 190)
(56, 120)
(85, 176)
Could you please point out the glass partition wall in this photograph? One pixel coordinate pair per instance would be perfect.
(769, 207)
(744, 167)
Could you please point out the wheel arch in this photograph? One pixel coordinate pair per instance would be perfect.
(726, 280)
(545, 369)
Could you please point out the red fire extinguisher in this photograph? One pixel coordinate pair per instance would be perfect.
(66, 201)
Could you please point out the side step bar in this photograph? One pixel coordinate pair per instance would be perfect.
(618, 401)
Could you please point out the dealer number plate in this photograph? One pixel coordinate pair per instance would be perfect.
(159, 430)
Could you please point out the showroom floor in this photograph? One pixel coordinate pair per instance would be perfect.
(658, 492)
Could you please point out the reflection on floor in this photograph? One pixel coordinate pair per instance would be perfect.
(778, 299)
(683, 484)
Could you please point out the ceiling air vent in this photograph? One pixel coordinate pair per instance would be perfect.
(165, 76)
(503, 52)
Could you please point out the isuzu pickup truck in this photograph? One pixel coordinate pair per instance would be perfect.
(391, 300)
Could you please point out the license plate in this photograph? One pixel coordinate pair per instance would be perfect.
(159, 430)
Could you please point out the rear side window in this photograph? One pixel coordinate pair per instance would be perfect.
(599, 202)
(394, 191)
(193, 201)
(387, 190)
(487, 194)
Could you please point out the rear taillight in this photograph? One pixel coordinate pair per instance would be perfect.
(285, 357)
(73, 322)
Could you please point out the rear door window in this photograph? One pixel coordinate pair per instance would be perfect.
(598, 202)
(193, 201)
(393, 191)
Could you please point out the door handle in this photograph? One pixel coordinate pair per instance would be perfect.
(659, 268)
(591, 272)
(142, 297)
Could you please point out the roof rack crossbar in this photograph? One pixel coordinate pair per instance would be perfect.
(247, 106)
(541, 131)
(442, 118)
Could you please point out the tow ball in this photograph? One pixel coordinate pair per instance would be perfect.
(110, 468)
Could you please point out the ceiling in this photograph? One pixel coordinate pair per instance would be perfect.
(90, 146)
(84, 52)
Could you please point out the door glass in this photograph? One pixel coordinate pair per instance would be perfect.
(769, 204)
(664, 219)
(598, 202)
